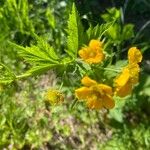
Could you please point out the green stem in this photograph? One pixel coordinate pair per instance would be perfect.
(118, 52)
(73, 104)
(110, 69)
(22, 76)
(61, 85)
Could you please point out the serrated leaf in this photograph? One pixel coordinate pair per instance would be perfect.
(6, 75)
(128, 32)
(36, 70)
(112, 14)
(45, 47)
(41, 56)
(110, 74)
(6, 81)
(114, 32)
(42, 53)
(50, 18)
(121, 63)
(75, 33)
(98, 31)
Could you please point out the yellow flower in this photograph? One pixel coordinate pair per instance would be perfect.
(126, 80)
(134, 55)
(96, 95)
(54, 97)
(92, 53)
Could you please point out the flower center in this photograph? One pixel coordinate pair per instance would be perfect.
(92, 54)
(96, 94)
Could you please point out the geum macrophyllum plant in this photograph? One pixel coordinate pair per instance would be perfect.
(96, 57)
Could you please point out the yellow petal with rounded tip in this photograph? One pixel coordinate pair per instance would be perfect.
(83, 92)
(134, 55)
(96, 59)
(88, 81)
(123, 77)
(108, 102)
(105, 88)
(94, 104)
(95, 44)
(124, 90)
(83, 53)
(134, 73)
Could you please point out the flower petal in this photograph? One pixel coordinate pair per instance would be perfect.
(134, 55)
(96, 59)
(105, 89)
(83, 92)
(108, 102)
(83, 53)
(95, 44)
(88, 81)
(94, 103)
(134, 73)
(123, 77)
(124, 90)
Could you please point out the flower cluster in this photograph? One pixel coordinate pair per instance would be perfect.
(98, 95)
(130, 74)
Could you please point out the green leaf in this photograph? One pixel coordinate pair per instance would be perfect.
(37, 70)
(42, 53)
(50, 18)
(75, 33)
(110, 74)
(16, 16)
(128, 31)
(112, 14)
(6, 75)
(144, 85)
(114, 32)
(116, 113)
(121, 64)
(98, 31)
(41, 56)
(45, 47)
